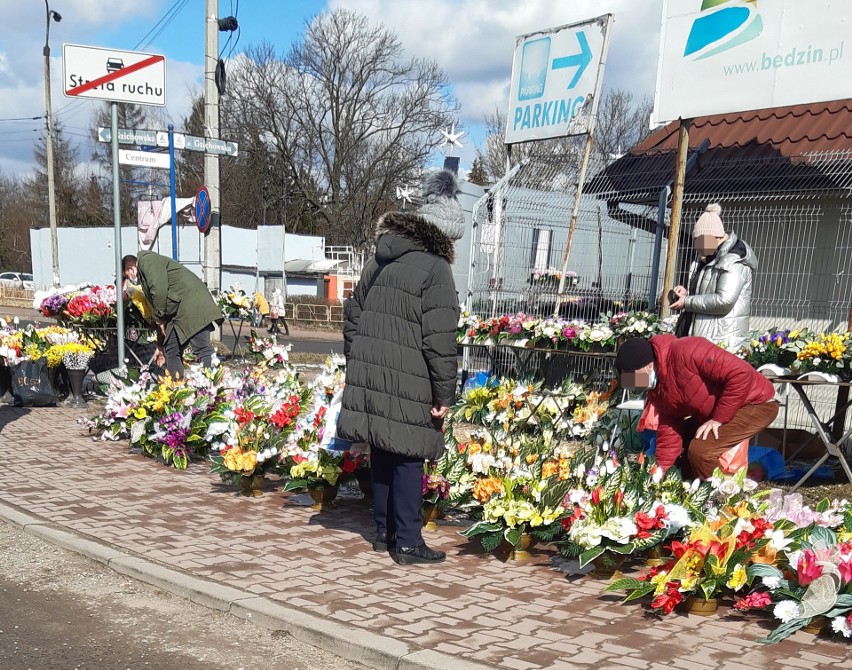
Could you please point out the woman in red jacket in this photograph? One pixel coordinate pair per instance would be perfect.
(701, 395)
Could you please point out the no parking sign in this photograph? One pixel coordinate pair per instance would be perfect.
(202, 209)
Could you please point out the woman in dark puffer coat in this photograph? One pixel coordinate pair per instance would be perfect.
(401, 369)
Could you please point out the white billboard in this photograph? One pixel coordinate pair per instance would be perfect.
(722, 56)
(556, 77)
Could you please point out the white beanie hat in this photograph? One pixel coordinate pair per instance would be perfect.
(440, 206)
(710, 223)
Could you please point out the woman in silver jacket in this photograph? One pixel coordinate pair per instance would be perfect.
(717, 302)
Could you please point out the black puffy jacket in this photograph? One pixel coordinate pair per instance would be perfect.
(400, 344)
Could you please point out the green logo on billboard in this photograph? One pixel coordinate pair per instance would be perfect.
(723, 25)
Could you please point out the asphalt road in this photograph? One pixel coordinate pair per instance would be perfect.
(61, 610)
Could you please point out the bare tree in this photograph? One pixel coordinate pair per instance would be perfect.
(349, 116)
(621, 123)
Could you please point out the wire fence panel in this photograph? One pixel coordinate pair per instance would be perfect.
(794, 211)
(519, 242)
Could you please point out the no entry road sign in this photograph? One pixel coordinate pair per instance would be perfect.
(117, 76)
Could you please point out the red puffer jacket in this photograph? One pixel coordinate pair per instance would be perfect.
(697, 379)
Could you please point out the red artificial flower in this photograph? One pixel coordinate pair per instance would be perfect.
(596, 495)
(669, 600)
(280, 419)
(753, 601)
(618, 498)
(808, 569)
(348, 466)
(641, 458)
(298, 458)
(644, 577)
(678, 548)
(718, 550)
(243, 416)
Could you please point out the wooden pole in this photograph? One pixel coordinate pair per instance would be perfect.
(677, 208)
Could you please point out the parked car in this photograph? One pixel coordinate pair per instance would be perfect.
(22, 280)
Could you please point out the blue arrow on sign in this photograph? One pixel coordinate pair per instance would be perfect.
(580, 61)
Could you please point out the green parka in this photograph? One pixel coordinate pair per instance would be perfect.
(399, 340)
(178, 296)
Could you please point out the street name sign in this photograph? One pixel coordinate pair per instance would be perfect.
(160, 138)
(113, 75)
(143, 159)
(556, 80)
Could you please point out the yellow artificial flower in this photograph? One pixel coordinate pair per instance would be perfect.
(738, 578)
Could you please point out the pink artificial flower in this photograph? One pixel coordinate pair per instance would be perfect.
(808, 569)
(844, 566)
(753, 601)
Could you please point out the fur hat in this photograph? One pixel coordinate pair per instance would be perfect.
(633, 354)
(440, 206)
(709, 223)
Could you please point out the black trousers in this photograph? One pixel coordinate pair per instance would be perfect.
(201, 347)
(397, 496)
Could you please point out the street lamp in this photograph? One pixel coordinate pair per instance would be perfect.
(51, 189)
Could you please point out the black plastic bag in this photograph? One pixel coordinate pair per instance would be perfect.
(31, 385)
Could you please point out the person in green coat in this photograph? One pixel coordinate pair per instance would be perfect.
(184, 310)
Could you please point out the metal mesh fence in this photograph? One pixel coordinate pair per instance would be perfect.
(795, 213)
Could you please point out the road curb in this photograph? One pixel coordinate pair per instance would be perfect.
(349, 642)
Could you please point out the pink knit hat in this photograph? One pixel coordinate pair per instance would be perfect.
(709, 223)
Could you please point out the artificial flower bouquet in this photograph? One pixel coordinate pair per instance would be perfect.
(830, 353)
(637, 324)
(267, 351)
(235, 303)
(772, 347)
(515, 495)
(810, 585)
(618, 507)
(170, 421)
(248, 431)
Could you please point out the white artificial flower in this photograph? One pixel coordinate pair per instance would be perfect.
(657, 477)
(678, 518)
(778, 541)
(772, 582)
(729, 488)
(749, 485)
(840, 624)
(787, 610)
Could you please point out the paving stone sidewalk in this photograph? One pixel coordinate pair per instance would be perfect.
(521, 616)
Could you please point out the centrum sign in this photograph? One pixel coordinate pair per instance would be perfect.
(117, 76)
(722, 56)
(556, 77)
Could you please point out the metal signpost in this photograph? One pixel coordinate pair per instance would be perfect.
(115, 76)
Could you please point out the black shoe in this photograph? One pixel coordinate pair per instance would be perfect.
(381, 542)
(421, 554)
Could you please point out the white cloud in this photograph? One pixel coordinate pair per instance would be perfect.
(22, 70)
(473, 40)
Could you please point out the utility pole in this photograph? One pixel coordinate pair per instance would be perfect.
(48, 114)
(211, 129)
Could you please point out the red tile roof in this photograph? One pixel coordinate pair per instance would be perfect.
(789, 131)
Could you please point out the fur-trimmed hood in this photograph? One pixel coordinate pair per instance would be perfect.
(398, 233)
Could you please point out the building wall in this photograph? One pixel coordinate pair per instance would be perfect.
(87, 254)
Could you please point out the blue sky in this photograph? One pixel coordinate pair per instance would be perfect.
(472, 40)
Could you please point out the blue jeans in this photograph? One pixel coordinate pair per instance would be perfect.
(397, 496)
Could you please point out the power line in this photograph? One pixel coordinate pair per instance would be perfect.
(159, 32)
(157, 24)
(26, 118)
